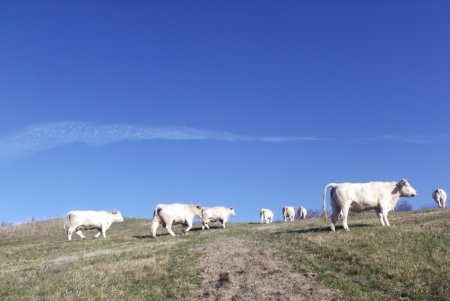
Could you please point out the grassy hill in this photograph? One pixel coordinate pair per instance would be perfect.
(302, 260)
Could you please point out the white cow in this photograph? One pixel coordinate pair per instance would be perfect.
(288, 213)
(440, 197)
(216, 214)
(266, 216)
(88, 220)
(172, 214)
(357, 197)
(302, 212)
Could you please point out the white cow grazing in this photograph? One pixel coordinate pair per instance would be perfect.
(172, 214)
(302, 212)
(88, 220)
(266, 216)
(216, 214)
(440, 197)
(357, 197)
(288, 213)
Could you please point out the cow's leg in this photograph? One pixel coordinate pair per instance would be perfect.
(385, 217)
(104, 231)
(98, 233)
(69, 233)
(188, 227)
(380, 217)
(224, 221)
(443, 203)
(169, 228)
(80, 234)
(334, 218)
(344, 213)
(205, 224)
(154, 227)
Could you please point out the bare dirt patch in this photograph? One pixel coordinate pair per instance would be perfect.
(238, 270)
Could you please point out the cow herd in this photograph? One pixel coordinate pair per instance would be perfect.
(381, 197)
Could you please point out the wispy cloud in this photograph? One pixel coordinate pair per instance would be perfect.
(40, 137)
(397, 138)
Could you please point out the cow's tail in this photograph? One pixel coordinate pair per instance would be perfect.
(324, 207)
(67, 223)
(156, 211)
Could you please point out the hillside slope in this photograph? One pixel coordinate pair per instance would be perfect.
(302, 260)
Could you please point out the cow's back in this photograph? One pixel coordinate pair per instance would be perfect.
(177, 212)
(86, 217)
(360, 196)
(215, 212)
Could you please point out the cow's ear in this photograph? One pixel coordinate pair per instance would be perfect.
(115, 211)
(403, 182)
(231, 208)
(198, 206)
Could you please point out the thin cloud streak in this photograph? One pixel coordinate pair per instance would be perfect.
(40, 137)
(395, 138)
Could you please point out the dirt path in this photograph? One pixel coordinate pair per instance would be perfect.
(237, 270)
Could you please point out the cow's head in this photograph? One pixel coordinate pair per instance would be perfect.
(117, 216)
(232, 212)
(405, 189)
(198, 210)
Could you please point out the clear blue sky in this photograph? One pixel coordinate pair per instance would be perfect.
(247, 104)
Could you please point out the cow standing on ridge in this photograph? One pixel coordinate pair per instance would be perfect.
(440, 197)
(302, 212)
(357, 197)
(288, 213)
(266, 215)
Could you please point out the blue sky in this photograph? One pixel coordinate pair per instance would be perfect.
(245, 104)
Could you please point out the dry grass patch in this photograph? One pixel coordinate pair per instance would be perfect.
(238, 269)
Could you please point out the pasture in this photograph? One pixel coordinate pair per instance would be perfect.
(301, 260)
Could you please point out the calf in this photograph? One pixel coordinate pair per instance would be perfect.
(216, 214)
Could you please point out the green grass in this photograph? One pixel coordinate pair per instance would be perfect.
(410, 260)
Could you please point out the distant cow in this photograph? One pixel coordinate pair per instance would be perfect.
(440, 197)
(357, 197)
(216, 214)
(266, 216)
(172, 214)
(302, 212)
(88, 220)
(288, 213)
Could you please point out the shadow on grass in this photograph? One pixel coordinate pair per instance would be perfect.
(148, 236)
(259, 223)
(321, 229)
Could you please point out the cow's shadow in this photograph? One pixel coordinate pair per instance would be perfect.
(321, 229)
(259, 223)
(165, 233)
